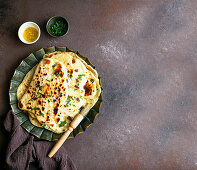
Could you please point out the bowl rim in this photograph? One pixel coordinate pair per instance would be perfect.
(26, 23)
(47, 26)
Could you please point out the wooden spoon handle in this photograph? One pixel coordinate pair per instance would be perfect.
(77, 119)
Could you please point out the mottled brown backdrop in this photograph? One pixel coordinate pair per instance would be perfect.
(146, 54)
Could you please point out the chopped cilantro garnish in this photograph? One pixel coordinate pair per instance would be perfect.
(58, 28)
(47, 80)
(71, 76)
(50, 95)
(80, 77)
(58, 74)
(66, 105)
(81, 97)
(74, 105)
(68, 71)
(40, 87)
(44, 126)
(62, 123)
(41, 95)
(68, 100)
(35, 108)
(48, 101)
(92, 80)
(42, 114)
(75, 89)
(53, 65)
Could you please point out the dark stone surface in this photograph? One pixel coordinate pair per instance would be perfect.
(145, 52)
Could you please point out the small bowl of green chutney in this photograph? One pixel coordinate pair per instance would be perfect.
(57, 26)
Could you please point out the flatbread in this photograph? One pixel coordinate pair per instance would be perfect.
(83, 90)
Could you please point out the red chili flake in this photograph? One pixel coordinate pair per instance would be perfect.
(39, 102)
(76, 70)
(28, 91)
(58, 119)
(71, 71)
(78, 99)
(45, 74)
(68, 64)
(73, 61)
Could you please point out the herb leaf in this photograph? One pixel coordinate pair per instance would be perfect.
(58, 28)
(58, 74)
(62, 123)
(40, 87)
(42, 114)
(35, 108)
(80, 77)
(92, 80)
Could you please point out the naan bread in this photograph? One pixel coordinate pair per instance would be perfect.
(83, 90)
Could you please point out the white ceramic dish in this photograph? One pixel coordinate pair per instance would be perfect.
(22, 29)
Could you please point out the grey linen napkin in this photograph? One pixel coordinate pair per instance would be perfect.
(23, 149)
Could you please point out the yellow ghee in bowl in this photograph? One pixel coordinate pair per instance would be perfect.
(30, 34)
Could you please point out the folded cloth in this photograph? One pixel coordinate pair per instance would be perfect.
(23, 149)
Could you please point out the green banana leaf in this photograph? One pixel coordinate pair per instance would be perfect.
(25, 66)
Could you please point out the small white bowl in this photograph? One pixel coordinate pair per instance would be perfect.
(22, 29)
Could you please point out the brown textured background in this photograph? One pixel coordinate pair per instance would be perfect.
(146, 54)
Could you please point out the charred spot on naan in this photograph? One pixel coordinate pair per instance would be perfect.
(58, 71)
(47, 61)
(88, 88)
(20, 105)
